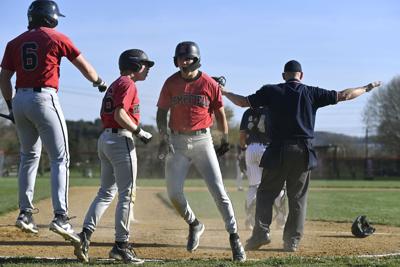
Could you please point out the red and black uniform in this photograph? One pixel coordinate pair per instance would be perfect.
(117, 154)
(122, 93)
(36, 55)
(191, 103)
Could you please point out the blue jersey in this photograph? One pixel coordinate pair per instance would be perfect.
(255, 123)
(292, 108)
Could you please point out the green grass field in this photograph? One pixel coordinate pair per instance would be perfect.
(328, 201)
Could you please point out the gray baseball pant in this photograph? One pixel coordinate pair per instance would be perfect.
(39, 118)
(117, 155)
(197, 150)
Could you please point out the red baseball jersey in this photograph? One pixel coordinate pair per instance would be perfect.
(121, 93)
(191, 103)
(36, 55)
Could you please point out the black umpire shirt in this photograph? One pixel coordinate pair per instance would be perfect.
(292, 109)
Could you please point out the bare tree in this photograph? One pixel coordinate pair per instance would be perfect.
(382, 115)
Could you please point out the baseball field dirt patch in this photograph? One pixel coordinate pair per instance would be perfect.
(159, 233)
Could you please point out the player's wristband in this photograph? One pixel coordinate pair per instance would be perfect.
(138, 129)
(98, 82)
(9, 104)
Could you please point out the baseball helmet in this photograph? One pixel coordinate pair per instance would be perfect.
(188, 49)
(134, 59)
(361, 227)
(43, 13)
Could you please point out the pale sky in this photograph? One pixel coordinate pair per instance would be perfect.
(340, 44)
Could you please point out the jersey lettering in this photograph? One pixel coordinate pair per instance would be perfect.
(108, 105)
(29, 56)
(193, 100)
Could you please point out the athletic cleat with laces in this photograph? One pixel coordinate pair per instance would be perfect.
(26, 223)
(257, 241)
(194, 236)
(81, 250)
(60, 225)
(238, 253)
(126, 254)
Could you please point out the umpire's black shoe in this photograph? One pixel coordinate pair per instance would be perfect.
(195, 231)
(81, 250)
(26, 223)
(291, 246)
(238, 253)
(124, 253)
(257, 240)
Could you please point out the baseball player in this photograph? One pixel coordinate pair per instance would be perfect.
(120, 116)
(35, 57)
(290, 157)
(254, 138)
(192, 97)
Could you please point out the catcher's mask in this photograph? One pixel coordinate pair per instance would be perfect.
(43, 13)
(188, 49)
(134, 59)
(361, 227)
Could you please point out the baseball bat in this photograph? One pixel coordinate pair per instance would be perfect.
(5, 116)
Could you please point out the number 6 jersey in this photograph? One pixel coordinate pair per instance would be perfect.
(36, 55)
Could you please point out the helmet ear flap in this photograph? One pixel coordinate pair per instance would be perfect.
(136, 66)
(175, 62)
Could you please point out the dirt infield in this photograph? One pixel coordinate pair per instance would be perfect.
(158, 233)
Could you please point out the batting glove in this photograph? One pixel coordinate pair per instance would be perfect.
(144, 136)
(165, 147)
(224, 147)
(100, 84)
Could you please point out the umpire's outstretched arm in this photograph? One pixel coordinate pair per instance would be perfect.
(238, 100)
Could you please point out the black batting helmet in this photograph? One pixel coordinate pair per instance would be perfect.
(188, 49)
(361, 227)
(43, 13)
(133, 59)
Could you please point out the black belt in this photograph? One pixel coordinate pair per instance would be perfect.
(35, 89)
(196, 132)
(259, 143)
(295, 142)
(115, 130)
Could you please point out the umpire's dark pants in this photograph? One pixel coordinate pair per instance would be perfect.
(293, 170)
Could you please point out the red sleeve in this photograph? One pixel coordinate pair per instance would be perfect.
(8, 61)
(124, 95)
(164, 100)
(68, 49)
(216, 101)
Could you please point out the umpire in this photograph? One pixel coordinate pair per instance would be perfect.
(290, 157)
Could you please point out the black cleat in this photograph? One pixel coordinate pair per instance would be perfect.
(127, 254)
(194, 236)
(238, 253)
(26, 223)
(60, 225)
(81, 250)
